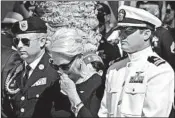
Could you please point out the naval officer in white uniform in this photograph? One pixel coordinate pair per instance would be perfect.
(145, 86)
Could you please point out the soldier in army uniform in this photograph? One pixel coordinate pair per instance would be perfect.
(143, 86)
(29, 84)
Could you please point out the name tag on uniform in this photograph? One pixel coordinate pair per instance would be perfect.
(41, 81)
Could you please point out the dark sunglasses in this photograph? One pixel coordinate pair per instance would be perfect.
(126, 31)
(64, 67)
(25, 41)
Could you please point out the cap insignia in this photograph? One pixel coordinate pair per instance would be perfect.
(23, 25)
(121, 15)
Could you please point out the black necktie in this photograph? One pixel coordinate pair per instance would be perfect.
(27, 70)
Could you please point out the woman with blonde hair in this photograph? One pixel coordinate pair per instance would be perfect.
(78, 72)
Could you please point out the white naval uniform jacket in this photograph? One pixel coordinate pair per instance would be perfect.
(144, 88)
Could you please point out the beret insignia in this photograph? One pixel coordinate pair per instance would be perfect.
(121, 15)
(23, 25)
(155, 60)
(30, 25)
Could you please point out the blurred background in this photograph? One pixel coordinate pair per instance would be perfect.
(164, 10)
(166, 7)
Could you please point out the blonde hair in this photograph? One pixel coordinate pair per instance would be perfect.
(68, 41)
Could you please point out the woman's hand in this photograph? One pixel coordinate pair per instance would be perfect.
(68, 87)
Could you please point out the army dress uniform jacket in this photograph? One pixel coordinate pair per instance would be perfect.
(143, 88)
(26, 103)
(9, 59)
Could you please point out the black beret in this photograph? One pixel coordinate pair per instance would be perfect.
(29, 25)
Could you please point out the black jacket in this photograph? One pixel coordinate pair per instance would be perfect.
(88, 94)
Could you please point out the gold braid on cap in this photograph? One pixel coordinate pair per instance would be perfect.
(11, 76)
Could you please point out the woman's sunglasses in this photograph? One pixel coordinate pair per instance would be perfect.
(53, 65)
(25, 41)
(64, 67)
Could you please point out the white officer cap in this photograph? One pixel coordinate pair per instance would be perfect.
(131, 16)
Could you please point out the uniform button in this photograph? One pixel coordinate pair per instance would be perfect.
(9, 97)
(22, 98)
(133, 89)
(37, 95)
(22, 110)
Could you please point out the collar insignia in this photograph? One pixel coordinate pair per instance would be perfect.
(41, 66)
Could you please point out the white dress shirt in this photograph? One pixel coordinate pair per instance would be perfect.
(34, 64)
